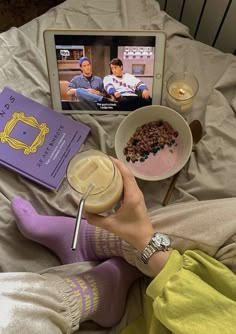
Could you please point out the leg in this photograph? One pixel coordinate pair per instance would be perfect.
(31, 302)
(56, 233)
(96, 286)
(132, 102)
(83, 94)
(209, 226)
(206, 225)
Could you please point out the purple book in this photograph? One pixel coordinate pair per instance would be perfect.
(36, 141)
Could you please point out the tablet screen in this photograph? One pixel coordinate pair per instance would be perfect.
(105, 73)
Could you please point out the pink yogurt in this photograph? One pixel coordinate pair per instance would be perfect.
(162, 162)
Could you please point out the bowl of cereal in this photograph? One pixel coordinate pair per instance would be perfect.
(154, 142)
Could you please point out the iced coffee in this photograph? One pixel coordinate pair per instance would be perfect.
(95, 168)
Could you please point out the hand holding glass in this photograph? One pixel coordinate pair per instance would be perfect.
(131, 221)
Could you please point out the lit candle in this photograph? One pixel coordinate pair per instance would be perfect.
(181, 89)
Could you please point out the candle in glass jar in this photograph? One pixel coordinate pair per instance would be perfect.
(181, 89)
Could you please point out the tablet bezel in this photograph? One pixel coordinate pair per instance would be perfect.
(53, 74)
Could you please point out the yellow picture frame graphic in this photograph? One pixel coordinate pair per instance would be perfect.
(5, 135)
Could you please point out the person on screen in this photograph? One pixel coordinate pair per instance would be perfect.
(130, 92)
(87, 87)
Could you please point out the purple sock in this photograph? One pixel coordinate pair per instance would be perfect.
(95, 287)
(56, 233)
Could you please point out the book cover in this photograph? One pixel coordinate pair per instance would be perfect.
(36, 141)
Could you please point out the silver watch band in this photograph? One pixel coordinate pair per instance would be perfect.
(148, 251)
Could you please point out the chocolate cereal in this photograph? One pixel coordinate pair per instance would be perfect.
(149, 138)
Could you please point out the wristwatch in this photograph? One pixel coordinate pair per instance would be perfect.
(158, 242)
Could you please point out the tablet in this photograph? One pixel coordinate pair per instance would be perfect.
(104, 72)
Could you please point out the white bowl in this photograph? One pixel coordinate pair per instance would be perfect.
(166, 162)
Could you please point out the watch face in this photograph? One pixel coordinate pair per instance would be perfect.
(165, 240)
(161, 240)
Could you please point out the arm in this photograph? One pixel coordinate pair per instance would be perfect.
(73, 85)
(194, 293)
(71, 92)
(190, 291)
(140, 86)
(131, 222)
(95, 91)
(98, 87)
(110, 88)
(144, 89)
(71, 89)
(145, 94)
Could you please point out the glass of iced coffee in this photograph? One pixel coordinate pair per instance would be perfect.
(93, 169)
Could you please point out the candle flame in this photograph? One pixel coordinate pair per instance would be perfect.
(181, 92)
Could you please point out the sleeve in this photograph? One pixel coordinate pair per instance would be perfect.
(72, 84)
(108, 86)
(138, 84)
(141, 86)
(195, 293)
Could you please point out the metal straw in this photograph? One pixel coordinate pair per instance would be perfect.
(79, 216)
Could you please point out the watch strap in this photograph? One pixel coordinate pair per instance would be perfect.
(148, 251)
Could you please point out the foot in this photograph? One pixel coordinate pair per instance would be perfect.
(56, 233)
(111, 278)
